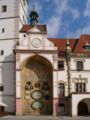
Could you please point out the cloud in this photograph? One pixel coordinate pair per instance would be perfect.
(55, 22)
(38, 6)
(47, 0)
(75, 13)
(86, 28)
(53, 26)
(78, 32)
(87, 10)
(61, 6)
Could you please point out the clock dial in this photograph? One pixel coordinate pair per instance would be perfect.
(37, 105)
(36, 43)
(37, 95)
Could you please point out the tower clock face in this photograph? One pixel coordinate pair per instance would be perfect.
(36, 42)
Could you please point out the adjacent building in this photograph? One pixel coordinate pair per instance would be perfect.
(41, 75)
(13, 14)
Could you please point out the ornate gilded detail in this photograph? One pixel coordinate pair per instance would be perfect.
(36, 87)
(37, 105)
(37, 95)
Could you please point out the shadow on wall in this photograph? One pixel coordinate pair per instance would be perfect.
(84, 107)
(8, 83)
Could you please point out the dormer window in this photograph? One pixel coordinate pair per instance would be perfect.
(86, 46)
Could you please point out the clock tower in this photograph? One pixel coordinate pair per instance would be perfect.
(34, 69)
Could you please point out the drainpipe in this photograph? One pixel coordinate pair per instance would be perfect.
(68, 59)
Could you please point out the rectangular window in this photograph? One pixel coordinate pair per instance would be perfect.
(61, 65)
(4, 8)
(80, 87)
(1, 88)
(79, 65)
(61, 107)
(1, 52)
(61, 89)
(1, 109)
(3, 30)
(84, 87)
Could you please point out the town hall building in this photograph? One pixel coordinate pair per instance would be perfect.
(40, 75)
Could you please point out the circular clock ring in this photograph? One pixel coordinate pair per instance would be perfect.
(36, 43)
(37, 95)
(37, 105)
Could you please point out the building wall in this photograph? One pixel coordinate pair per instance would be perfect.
(11, 21)
(85, 74)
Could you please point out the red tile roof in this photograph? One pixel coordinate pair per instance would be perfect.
(61, 43)
(82, 41)
(75, 44)
(26, 28)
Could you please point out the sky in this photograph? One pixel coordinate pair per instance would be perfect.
(64, 18)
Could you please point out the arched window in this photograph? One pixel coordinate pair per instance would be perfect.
(61, 89)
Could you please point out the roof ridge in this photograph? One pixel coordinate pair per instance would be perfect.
(75, 45)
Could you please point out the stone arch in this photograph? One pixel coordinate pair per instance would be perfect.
(83, 107)
(76, 98)
(37, 86)
(24, 62)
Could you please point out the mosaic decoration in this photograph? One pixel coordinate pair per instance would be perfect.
(37, 95)
(37, 105)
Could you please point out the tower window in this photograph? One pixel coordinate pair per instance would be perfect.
(1, 88)
(4, 8)
(24, 35)
(3, 30)
(1, 52)
(61, 65)
(79, 65)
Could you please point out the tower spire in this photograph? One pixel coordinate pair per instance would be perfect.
(33, 17)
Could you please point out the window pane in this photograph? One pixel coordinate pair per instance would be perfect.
(76, 87)
(61, 65)
(79, 65)
(1, 88)
(80, 87)
(4, 8)
(61, 89)
(3, 30)
(61, 107)
(84, 87)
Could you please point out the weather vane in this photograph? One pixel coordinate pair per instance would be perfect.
(33, 5)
